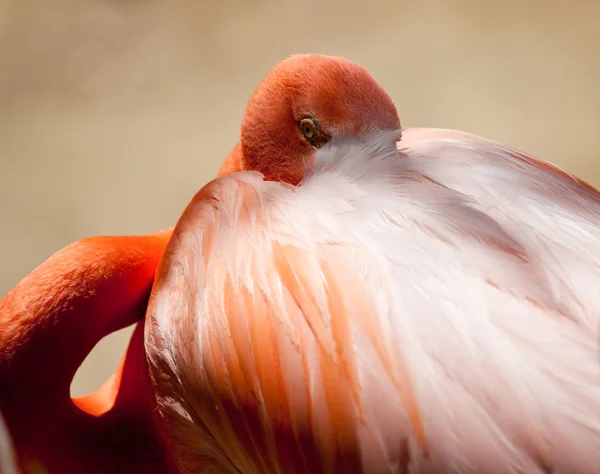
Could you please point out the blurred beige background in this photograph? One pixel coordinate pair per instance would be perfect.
(114, 113)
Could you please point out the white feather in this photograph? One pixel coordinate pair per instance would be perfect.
(477, 266)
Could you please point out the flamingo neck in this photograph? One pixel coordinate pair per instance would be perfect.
(49, 323)
(234, 161)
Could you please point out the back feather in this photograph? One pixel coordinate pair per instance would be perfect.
(430, 308)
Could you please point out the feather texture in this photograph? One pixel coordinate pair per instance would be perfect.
(426, 306)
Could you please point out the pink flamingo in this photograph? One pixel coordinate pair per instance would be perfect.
(421, 305)
(348, 298)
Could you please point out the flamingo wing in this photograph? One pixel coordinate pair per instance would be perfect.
(422, 309)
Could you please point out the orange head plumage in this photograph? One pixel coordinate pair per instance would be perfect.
(299, 106)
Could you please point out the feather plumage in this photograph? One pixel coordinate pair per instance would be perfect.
(422, 307)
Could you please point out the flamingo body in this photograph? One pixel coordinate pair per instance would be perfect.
(426, 308)
(337, 301)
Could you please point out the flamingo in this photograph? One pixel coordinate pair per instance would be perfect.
(53, 318)
(354, 297)
(346, 296)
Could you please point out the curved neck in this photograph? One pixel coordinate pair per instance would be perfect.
(120, 420)
(233, 163)
(48, 324)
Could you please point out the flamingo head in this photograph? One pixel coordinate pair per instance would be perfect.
(304, 102)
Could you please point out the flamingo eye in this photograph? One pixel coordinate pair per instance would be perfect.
(313, 133)
(308, 128)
